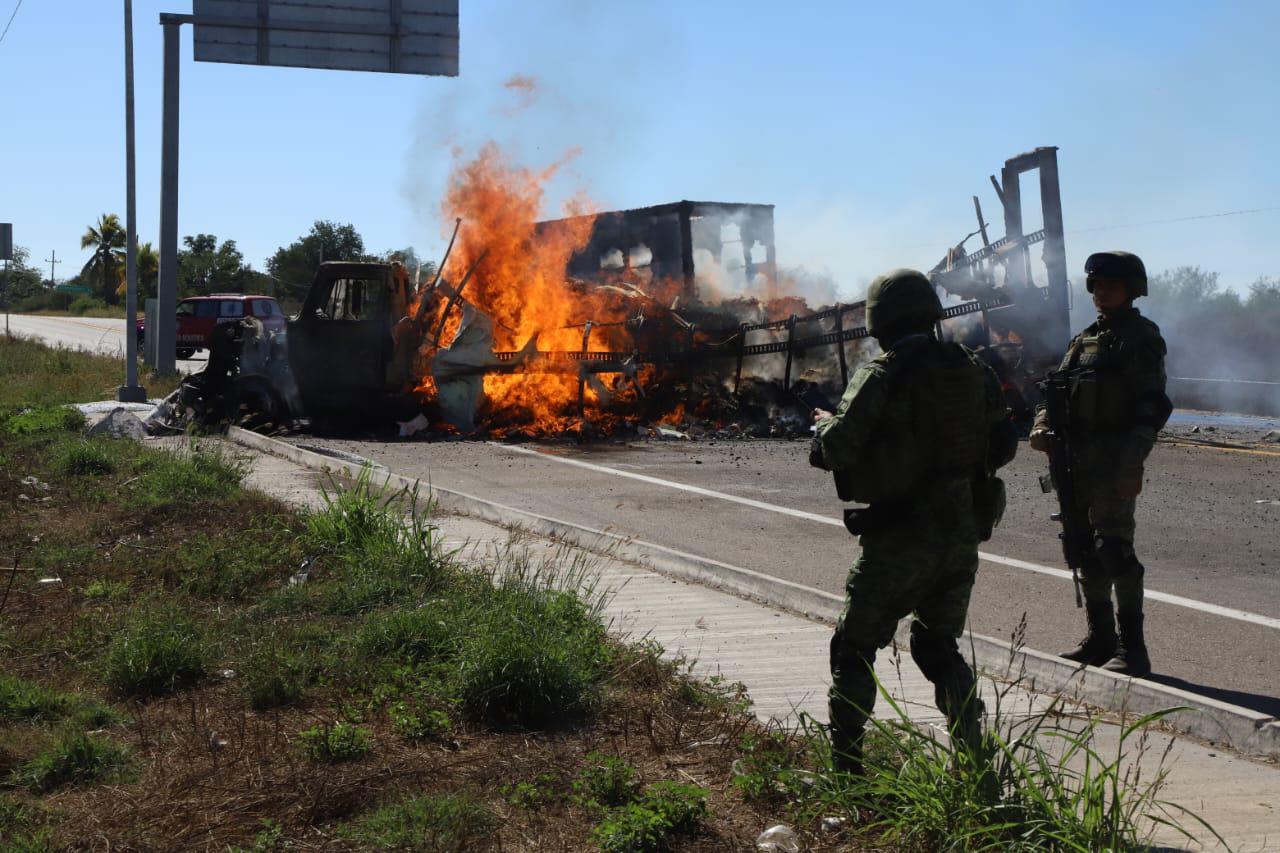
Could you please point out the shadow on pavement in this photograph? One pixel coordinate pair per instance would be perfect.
(1253, 701)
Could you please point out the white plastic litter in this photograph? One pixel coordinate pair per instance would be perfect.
(778, 839)
(414, 426)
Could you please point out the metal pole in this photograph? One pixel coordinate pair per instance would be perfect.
(130, 391)
(167, 291)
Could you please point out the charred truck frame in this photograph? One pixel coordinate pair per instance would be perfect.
(354, 348)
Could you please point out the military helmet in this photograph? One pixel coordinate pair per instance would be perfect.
(901, 298)
(1123, 266)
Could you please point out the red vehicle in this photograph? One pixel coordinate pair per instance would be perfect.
(198, 316)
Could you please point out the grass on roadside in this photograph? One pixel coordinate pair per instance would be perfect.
(73, 758)
(440, 823)
(1039, 781)
(32, 374)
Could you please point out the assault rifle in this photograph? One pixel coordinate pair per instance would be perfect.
(1077, 545)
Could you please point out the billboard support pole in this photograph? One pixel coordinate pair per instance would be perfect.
(130, 391)
(167, 290)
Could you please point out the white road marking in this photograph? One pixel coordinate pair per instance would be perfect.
(1153, 595)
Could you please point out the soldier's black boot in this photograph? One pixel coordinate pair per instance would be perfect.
(846, 753)
(1099, 645)
(1131, 656)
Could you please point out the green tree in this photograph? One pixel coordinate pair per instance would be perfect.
(294, 266)
(21, 280)
(148, 262)
(205, 266)
(148, 272)
(105, 266)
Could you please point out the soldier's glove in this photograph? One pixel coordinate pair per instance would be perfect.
(1040, 439)
(815, 454)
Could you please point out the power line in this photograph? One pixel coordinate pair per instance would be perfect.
(11, 17)
(1178, 219)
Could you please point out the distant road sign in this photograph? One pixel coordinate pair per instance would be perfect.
(396, 36)
(6, 241)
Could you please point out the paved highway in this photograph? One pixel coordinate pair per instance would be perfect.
(1208, 534)
(96, 334)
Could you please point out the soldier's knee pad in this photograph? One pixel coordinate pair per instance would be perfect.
(935, 654)
(1116, 556)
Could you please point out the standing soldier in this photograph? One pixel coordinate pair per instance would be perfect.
(1117, 406)
(917, 435)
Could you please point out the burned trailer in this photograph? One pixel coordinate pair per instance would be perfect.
(352, 345)
(710, 250)
(1027, 334)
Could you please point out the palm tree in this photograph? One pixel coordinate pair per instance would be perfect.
(148, 271)
(106, 264)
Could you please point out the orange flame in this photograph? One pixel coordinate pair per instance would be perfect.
(521, 285)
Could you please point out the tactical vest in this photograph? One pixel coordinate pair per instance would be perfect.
(933, 427)
(1101, 400)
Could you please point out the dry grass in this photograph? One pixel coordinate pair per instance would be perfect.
(130, 539)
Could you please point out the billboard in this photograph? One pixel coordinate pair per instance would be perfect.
(395, 36)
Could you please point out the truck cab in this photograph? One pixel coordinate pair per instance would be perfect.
(343, 345)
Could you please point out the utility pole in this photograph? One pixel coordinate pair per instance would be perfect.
(130, 391)
(52, 261)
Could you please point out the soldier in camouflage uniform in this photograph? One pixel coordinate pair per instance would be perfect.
(1117, 407)
(917, 429)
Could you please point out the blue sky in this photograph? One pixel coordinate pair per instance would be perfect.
(868, 125)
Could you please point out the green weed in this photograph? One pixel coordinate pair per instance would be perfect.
(184, 480)
(74, 758)
(27, 701)
(106, 590)
(335, 743)
(445, 823)
(382, 554)
(538, 653)
(416, 723)
(157, 651)
(84, 458)
(606, 780)
(276, 678)
(236, 568)
(542, 790)
(22, 829)
(44, 420)
(430, 632)
(1036, 782)
(665, 809)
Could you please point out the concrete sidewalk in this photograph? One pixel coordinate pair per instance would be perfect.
(781, 658)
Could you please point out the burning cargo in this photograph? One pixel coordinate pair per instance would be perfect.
(596, 322)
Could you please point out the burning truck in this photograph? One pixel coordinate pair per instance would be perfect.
(671, 315)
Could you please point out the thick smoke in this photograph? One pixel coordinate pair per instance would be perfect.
(1222, 340)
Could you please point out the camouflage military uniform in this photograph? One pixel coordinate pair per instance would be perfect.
(1117, 406)
(939, 401)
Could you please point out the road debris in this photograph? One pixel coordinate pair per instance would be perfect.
(118, 423)
(778, 839)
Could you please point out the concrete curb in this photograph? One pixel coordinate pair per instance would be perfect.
(1241, 729)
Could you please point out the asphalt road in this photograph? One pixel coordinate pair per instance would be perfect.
(96, 334)
(1202, 533)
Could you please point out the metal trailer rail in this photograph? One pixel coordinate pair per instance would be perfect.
(596, 361)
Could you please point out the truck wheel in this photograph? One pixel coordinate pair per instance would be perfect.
(186, 352)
